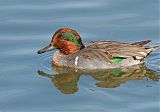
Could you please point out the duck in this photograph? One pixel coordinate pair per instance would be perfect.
(73, 53)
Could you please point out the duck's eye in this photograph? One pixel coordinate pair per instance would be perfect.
(61, 36)
(72, 39)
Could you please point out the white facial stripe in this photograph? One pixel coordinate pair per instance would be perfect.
(76, 60)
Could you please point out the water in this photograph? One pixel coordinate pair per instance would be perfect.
(26, 78)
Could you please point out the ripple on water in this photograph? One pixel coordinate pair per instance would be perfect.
(46, 62)
(153, 61)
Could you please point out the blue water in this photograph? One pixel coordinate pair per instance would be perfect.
(27, 25)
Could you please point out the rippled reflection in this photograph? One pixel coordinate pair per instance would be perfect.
(67, 79)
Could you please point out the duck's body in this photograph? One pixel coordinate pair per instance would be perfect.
(96, 55)
(100, 55)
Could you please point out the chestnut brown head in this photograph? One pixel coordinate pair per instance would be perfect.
(67, 40)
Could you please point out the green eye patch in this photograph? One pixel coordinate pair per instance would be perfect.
(71, 37)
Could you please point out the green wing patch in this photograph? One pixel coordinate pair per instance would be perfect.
(117, 59)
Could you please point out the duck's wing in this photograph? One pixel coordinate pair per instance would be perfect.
(113, 49)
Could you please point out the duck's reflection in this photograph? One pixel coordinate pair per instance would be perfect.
(67, 79)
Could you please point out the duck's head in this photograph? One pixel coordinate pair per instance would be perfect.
(67, 40)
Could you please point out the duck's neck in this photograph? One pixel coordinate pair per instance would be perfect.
(69, 49)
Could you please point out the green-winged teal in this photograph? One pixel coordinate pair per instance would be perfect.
(95, 55)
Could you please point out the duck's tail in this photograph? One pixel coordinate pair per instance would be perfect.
(141, 43)
(153, 48)
(150, 49)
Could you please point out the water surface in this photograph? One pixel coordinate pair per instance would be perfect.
(26, 82)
